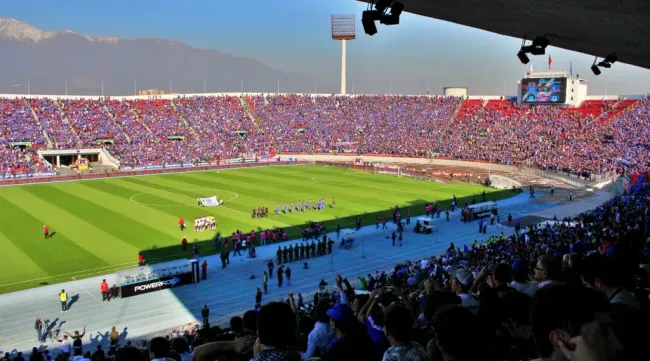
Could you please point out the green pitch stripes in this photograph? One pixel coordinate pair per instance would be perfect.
(101, 225)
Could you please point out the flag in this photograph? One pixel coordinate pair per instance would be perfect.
(531, 67)
(571, 69)
(550, 61)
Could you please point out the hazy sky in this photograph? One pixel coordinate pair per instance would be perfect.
(295, 36)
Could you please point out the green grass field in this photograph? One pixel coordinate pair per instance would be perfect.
(101, 225)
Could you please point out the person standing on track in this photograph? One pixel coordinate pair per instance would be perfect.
(205, 314)
(270, 266)
(114, 338)
(279, 276)
(104, 288)
(287, 272)
(204, 270)
(63, 297)
(258, 298)
(265, 281)
(195, 251)
(38, 326)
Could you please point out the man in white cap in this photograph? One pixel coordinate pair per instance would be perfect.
(461, 283)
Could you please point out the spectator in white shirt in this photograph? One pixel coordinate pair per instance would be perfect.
(461, 283)
(521, 281)
(547, 270)
(322, 333)
(65, 347)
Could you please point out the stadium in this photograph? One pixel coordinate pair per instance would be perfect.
(326, 226)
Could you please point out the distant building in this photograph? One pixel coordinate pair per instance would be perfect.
(151, 92)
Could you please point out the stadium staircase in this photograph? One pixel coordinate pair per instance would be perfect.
(449, 121)
(615, 109)
(50, 145)
(182, 117)
(249, 109)
(122, 125)
(137, 116)
(64, 116)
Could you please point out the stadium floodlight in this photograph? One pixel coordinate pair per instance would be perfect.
(368, 19)
(611, 58)
(594, 67)
(382, 5)
(393, 18)
(604, 64)
(343, 29)
(533, 50)
(523, 57)
(389, 20)
(541, 42)
(595, 70)
(397, 8)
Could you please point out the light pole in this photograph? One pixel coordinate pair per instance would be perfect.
(343, 29)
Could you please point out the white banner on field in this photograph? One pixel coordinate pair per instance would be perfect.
(209, 202)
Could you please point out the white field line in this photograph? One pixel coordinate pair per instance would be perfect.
(84, 289)
(78, 273)
(132, 198)
(154, 174)
(413, 191)
(231, 209)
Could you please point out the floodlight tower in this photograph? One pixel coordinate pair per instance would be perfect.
(343, 29)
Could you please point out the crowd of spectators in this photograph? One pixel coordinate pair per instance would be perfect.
(17, 123)
(599, 138)
(399, 125)
(91, 122)
(49, 115)
(551, 137)
(17, 127)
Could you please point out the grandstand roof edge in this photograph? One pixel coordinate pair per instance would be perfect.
(179, 95)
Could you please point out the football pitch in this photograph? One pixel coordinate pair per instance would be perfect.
(100, 226)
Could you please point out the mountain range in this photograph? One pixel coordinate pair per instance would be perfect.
(45, 61)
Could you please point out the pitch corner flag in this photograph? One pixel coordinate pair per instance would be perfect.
(550, 61)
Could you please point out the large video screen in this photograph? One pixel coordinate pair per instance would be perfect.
(543, 90)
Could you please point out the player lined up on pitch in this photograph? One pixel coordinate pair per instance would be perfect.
(205, 223)
(302, 206)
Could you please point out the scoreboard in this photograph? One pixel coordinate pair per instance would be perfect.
(543, 90)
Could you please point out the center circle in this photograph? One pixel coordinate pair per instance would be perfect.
(134, 197)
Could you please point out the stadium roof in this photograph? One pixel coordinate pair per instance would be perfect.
(595, 27)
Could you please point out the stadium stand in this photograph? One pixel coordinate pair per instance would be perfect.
(599, 136)
(485, 285)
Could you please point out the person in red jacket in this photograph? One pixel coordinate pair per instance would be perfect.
(184, 243)
(204, 269)
(140, 259)
(104, 288)
(181, 223)
(46, 232)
